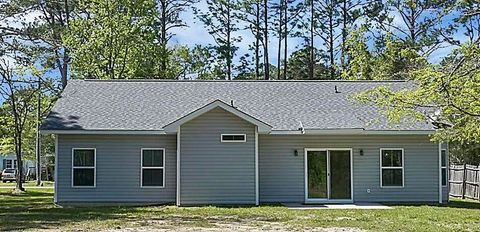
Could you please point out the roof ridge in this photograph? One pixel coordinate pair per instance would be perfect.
(231, 81)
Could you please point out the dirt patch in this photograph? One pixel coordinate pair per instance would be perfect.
(231, 226)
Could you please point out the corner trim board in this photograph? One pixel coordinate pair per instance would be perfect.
(257, 200)
(440, 188)
(55, 191)
(178, 168)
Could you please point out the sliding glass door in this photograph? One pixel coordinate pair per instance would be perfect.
(317, 174)
(328, 175)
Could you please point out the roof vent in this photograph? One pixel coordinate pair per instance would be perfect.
(336, 90)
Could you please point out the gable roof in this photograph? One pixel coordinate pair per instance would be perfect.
(173, 126)
(144, 106)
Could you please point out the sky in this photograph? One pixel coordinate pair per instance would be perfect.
(196, 33)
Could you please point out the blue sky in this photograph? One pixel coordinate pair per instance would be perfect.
(195, 33)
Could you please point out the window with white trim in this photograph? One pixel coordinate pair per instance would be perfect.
(228, 138)
(153, 167)
(83, 167)
(444, 168)
(391, 167)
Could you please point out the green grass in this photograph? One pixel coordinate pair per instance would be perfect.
(34, 210)
(26, 184)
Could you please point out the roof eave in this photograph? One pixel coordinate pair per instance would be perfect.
(354, 131)
(103, 132)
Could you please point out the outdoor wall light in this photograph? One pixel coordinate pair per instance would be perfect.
(361, 152)
(295, 152)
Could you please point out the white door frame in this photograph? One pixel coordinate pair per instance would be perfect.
(327, 200)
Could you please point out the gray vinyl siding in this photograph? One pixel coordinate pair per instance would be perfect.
(213, 172)
(281, 173)
(117, 168)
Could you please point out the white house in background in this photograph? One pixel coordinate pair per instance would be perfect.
(10, 161)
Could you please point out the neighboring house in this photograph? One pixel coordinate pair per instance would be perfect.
(238, 142)
(10, 161)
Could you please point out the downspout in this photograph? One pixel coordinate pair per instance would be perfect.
(440, 199)
(178, 168)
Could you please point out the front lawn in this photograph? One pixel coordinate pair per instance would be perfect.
(30, 183)
(34, 210)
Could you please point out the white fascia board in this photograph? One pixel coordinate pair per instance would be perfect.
(104, 132)
(263, 128)
(352, 132)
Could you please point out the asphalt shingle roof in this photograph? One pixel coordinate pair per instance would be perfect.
(150, 105)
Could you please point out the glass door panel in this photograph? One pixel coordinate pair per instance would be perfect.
(317, 174)
(340, 177)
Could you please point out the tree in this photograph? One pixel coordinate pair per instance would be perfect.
(19, 94)
(300, 62)
(194, 63)
(265, 40)
(326, 22)
(168, 18)
(390, 60)
(112, 40)
(421, 23)
(39, 39)
(445, 94)
(250, 12)
(221, 23)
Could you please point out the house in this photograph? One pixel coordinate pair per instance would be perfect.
(10, 161)
(238, 142)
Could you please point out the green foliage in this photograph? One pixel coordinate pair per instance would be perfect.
(392, 59)
(220, 21)
(113, 39)
(7, 125)
(299, 62)
(361, 61)
(446, 94)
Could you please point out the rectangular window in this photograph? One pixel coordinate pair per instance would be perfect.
(83, 167)
(391, 167)
(444, 168)
(153, 168)
(8, 163)
(225, 138)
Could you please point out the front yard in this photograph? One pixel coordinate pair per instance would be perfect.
(30, 183)
(34, 210)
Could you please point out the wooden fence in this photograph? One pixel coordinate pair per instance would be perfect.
(465, 181)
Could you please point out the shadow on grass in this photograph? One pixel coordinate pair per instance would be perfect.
(35, 210)
(40, 215)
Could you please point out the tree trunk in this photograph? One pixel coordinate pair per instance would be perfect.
(63, 68)
(37, 138)
(17, 141)
(343, 58)
(280, 31)
(163, 60)
(331, 43)
(285, 36)
(265, 55)
(257, 41)
(312, 27)
(18, 152)
(229, 44)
